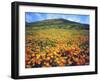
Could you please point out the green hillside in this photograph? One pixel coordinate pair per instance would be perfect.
(58, 23)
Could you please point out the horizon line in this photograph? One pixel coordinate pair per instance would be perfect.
(57, 18)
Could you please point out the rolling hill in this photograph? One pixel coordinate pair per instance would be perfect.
(58, 23)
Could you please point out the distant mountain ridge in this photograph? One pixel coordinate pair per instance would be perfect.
(58, 22)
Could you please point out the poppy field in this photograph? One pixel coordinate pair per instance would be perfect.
(56, 47)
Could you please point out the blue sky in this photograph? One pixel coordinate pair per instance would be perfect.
(33, 17)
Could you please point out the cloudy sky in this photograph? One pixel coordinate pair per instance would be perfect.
(33, 17)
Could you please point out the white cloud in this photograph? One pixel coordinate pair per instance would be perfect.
(39, 16)
(51, 16)
(76, 19)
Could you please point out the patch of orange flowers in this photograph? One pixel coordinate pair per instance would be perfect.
(58, 55)
(56, 47)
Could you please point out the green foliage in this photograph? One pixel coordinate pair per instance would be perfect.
(57, 23)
